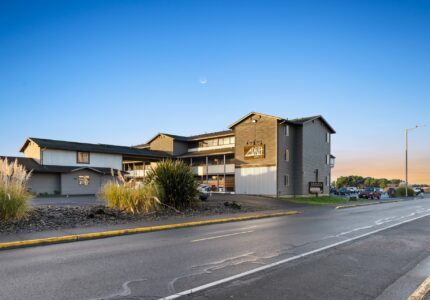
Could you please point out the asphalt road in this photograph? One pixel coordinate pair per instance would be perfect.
(154, 265)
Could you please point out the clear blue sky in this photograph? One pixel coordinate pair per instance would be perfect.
(120, 71)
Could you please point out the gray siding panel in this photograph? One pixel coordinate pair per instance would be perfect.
(315, 150)
(70, 183)
(44, 183)
(287, 168)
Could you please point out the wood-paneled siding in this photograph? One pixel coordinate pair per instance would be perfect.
(33, 151)
(256, 176)
(264, 130)
(162, 143)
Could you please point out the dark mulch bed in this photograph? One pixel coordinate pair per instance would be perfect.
(44, 218)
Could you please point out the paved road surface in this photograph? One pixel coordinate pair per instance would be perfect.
(149, 266)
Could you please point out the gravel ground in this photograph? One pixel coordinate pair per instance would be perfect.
(50, 217)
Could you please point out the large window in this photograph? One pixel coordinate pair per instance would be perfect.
(82, 157)
(217, 142)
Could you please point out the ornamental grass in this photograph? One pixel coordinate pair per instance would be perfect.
(130, 196)
(177, 182)
(14, 196)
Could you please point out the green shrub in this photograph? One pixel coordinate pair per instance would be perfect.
(14, 195)
(401, 192)
(131, 197)
(177, 181)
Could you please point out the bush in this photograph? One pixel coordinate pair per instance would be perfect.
(401, 192)
(14, 196)
(177, 181)
(130, 196)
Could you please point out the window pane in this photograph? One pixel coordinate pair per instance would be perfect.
(84, 180)
(232, 140)
(83, 157)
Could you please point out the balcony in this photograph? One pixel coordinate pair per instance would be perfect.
(137, 173)
(213, 169)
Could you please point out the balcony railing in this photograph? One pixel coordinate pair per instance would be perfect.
(137, 173)
(213, 169)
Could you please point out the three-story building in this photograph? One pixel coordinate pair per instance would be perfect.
(259, 154)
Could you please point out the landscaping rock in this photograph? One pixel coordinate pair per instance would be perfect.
(43, 218)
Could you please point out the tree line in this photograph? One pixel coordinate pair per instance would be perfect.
(363, 182)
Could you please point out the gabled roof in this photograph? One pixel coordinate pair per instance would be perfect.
(31, 165)
(175, 137)
(299, 121)
(305, 120)
(250, 114)
(99, 148)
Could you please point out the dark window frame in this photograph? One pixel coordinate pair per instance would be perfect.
(77, 157)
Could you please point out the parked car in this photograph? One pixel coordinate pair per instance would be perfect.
(370, 193)
(417, 190)
(333, 191)
(391, 192)
(343, 191)
(352, 189)
(204, 192)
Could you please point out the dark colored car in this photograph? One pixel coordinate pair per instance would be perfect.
(391, 192)
(370, 193)
(343, 192)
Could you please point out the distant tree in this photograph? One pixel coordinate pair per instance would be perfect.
(362, 182)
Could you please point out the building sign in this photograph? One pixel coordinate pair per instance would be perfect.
(254, 151)
(316, 187)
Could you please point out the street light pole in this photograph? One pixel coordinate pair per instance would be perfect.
(406, 158)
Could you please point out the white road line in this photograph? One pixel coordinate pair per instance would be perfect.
(265, 267)
(221, 236)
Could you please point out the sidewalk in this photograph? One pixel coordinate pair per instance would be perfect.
(11, 237)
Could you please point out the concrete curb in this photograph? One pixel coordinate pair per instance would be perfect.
(421, 292)
(106, 234)
(365, 204)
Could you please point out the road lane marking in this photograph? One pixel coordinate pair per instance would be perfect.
(221, 236)
(227, 230)
(284, 261)
(422, 291)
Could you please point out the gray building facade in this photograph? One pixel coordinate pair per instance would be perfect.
(258, 154)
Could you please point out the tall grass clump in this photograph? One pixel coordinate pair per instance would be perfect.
(14, 195)
(130, 196)
(177, 182)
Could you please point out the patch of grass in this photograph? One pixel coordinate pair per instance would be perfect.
(321, 200)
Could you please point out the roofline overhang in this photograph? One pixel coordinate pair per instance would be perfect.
(324, 121)
(250, 114)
